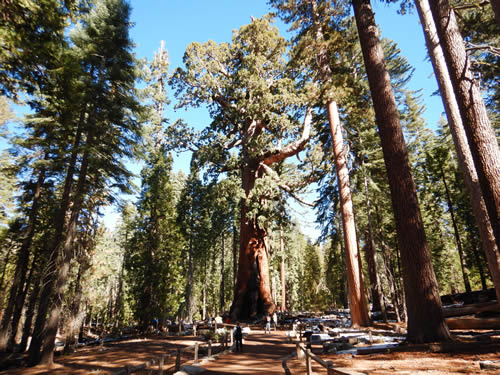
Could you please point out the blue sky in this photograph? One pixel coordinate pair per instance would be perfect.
(180, 22)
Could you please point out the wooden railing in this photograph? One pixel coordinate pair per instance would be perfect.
(303, 353)
(173, 359)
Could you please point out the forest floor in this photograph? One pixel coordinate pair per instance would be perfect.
(263, 354)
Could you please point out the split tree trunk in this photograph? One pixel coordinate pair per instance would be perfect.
(424, 309)
(482, 141)
(252, 292)
(459, 137)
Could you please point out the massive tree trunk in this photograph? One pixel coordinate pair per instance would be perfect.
(482, 141)
(459, 137)
(252, 296)
(424, 309)
(357, 300)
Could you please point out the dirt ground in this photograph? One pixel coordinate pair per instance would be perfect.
(263, 354)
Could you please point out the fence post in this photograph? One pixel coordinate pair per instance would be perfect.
(329, 369)
(300, 353)
(209, 348)
(128, 369)
(160, 365)
(308, 362)
(178, 360)
(231, 337)
(196, 345)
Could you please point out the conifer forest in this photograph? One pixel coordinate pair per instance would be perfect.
(317, 113)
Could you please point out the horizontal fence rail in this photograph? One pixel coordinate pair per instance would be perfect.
(171, 361)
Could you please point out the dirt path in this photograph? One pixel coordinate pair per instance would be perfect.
(108, 359)
(262, 354)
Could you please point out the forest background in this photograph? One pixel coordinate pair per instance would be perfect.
(171, 249)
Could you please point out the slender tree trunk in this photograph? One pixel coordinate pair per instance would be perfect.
(480, 134)
(74, 319)
(465, 272)
(459, 137)
(3, 287)
(479, 265)
(357, 300)
(204, 300)
(189, 283)
(119, 299)
(282, 270)
(371, 259)
(17, 295)
(253, 291)
(389, 271)
(30, 312)
(423, 303)
(16, 317)
(222, 292)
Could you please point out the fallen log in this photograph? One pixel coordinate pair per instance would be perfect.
(470, 309)
(469, 297)
(472, 322)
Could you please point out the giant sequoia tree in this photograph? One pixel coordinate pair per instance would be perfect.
(259, 119)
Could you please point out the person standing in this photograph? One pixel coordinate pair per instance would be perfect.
(268, 324)
(275, 321)
(238, 337)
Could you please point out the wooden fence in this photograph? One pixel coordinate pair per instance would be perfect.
(171, 361)
(303, 353)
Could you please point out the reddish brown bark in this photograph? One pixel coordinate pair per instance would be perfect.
(424, 309)
(459, 137)
(482, 141)
(357, 300)
(252, 295)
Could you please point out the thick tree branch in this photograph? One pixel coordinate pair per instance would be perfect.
(271, 173)
(294, 147)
